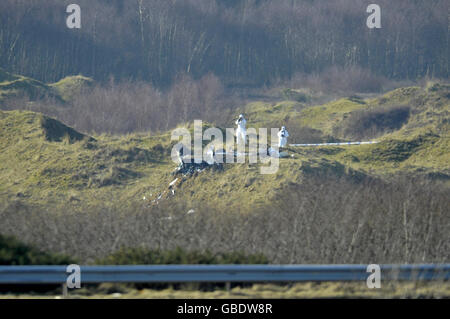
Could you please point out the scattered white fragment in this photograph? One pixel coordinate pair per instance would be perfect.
(210, 155)
(191, 211)
(144, 198)
(116, 295)
(273, 153)
(173, 182)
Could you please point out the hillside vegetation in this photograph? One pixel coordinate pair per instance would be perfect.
(13, 252)
(354, 290)
(44, 161)
(59, 184)
(89, 101)
(14, 86)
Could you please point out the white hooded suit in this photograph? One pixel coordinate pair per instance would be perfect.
(241, 131)
(282, 137)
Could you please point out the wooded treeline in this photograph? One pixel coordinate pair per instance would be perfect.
(243, 42)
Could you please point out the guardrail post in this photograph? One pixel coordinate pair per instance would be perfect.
(65, 291)
(228, 286)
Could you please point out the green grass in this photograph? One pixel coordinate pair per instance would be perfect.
(70, 86)
(263, 291)
(12, 85)
(399, 96)
(46, 170)
(324, 117)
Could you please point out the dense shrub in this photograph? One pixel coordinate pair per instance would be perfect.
(339, 79)
(130, 106)
(142, 256)
(373, 122)
(294, 95)
(304, 134)
(324, 219)
(13, 252)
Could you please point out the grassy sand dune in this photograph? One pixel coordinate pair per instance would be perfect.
(44, 161)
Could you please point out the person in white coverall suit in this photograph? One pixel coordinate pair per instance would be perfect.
(241, 131)
(282, 137)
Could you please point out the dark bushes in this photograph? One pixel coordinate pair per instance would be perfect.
(304, 134)
(338, 79)
(322, 220)
(373, 122)
(13, 252)
(294, 95)
(120, 108)
(142, 256)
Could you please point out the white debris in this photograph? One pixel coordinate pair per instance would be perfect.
(144, 198)
(191, 211)
(173, 182)
(273, 153)
(183, 155)
(210, 155)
